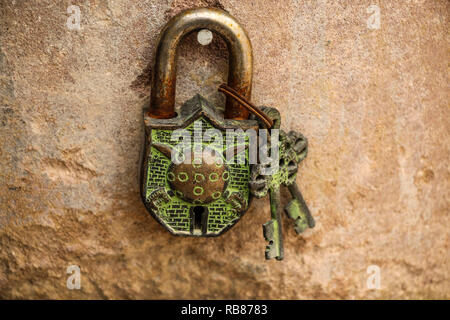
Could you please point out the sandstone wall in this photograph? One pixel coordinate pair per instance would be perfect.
(374, 104)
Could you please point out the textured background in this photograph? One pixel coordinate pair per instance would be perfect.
(373, 103)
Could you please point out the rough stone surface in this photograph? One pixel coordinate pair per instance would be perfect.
(373, 103)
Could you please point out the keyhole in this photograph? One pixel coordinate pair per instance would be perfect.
(199, 212)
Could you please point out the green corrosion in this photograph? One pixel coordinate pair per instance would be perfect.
(175, 212)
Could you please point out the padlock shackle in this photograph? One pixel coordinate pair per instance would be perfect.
(162, 102)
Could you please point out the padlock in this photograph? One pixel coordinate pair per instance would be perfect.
(198, 187)
(189, 183)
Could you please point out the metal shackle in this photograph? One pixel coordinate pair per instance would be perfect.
(162, 102)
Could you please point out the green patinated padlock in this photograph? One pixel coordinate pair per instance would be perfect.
(201, 191)
(199, 172)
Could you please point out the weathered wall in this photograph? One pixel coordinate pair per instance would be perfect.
(373, 103)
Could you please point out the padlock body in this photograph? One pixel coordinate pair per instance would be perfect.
(190, 184)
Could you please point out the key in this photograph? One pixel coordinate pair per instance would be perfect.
(298, 210)
(272, 229)
(293, 148)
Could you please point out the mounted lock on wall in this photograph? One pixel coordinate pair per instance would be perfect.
(199, 172)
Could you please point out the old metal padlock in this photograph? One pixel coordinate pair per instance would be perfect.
(187, 184)
(198, 172)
